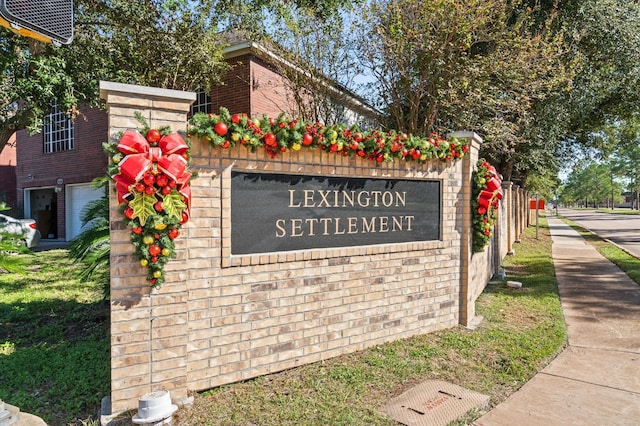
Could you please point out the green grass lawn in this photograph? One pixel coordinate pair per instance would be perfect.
(54, 353)
(619, 211)
(54, 345)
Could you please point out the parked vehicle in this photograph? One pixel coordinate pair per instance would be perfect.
(26, 229)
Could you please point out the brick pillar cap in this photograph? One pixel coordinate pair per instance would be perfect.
(111, 87)
(472, 136)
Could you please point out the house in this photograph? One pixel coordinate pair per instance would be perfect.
(56, 167)
(255, 84)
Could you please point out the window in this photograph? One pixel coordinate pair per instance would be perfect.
(58, 131)
(202, 103)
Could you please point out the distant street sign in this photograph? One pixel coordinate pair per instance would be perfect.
(45, 20)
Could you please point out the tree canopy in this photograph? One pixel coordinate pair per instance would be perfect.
(531, 77)
(535, 78)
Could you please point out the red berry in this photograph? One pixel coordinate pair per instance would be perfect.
(137, 230)
(158, 206)
(235, 118)
(153, 135)
(166, 190)
(154, 259)
(270, 139)
(155, 250)
(162, 180)
(173, 233)
(128, 213)
(140, 187)
(220, 128)
(226, 144)
(149, 179)
(185, 218)
(307, 139)
(149, 190)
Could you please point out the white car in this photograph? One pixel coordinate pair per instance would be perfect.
(27, 229)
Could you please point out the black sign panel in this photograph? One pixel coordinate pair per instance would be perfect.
(278, 212)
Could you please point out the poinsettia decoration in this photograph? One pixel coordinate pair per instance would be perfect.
(152, 185)
(282, 134)
(487, 193)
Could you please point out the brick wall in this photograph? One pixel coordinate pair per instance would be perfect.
(8, 175)
(252, 86)
(220, 318)
(235, 90)
(269, 91)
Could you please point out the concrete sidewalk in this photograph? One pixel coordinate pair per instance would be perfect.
(596, 379)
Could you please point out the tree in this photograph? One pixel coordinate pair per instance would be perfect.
(602, 39)
(593, 182)
(484, 66)
(320, 62)
(605, 36)
(625, 158)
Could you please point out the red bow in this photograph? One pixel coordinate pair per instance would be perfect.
(492, 194)
(141, 157)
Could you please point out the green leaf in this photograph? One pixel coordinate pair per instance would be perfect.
(173, 205)
(142, 205)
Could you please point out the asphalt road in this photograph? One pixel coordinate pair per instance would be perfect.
(623, 230)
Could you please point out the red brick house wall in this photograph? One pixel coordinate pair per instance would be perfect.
(235, 91)
(8, 175)
(251, 86)
(269, 91)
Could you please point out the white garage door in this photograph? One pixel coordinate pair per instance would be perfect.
(77, 197)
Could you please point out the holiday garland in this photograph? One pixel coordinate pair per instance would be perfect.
(282, 134)
(487, 193)
(152, 184)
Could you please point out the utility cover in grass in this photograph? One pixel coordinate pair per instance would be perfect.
(434, 403)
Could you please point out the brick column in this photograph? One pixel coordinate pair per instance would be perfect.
(467, 305)
(147, 354)
(507, 187)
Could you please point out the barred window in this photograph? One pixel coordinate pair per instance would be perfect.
(202, 103)
(58, 131)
